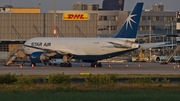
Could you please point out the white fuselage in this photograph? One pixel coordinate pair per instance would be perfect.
(77, 46)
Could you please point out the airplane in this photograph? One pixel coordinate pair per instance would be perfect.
(90, 50)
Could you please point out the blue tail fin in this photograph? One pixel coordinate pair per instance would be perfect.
(130, 26)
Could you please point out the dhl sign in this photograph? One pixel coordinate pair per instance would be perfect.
(75, 16)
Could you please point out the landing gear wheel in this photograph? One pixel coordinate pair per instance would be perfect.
(96, 65)
(49, 63)
(69, 65)
(99, 64)
(66, 65)
(62, 64)
(92, 64)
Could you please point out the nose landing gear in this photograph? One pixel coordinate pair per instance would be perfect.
(96, 64)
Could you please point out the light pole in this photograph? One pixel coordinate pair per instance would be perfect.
(150, 39)
(55, 19)
(10, 2)
(163, 45)
(109, 26)
(167, 26)
(172, 34)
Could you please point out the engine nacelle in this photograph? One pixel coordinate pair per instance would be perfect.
(39, 57)
(131, 45)
(135, 45)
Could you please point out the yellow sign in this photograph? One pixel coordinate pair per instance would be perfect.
(75, 16)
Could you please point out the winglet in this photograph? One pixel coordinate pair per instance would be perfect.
(130, 26)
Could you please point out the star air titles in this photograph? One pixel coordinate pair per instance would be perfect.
(40, 44)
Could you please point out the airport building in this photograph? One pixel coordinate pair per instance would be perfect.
(107, 21)
(24, 26)
(113, 5)
(110, 21)
(81, 6)
(11, 9)
(178, 27)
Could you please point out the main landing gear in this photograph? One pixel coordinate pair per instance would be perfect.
(96, 64)
(66, 61)
(66, 65)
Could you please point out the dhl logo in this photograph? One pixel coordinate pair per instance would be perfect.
(83, 16)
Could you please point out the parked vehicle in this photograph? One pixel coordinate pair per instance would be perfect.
(163, 58)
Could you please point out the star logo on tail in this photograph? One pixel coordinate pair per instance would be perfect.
(129, 21)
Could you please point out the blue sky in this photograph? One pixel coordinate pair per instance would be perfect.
(67, 4)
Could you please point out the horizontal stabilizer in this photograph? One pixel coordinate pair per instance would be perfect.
(152, 45)
(125, 44)
(117, 45)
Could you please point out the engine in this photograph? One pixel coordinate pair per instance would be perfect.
(39, 57)
(131, 45)
(135, 45)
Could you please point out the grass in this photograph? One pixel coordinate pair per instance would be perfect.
(120, 95)
(86, 87)
(135, 89)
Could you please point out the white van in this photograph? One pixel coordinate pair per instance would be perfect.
(55, 62)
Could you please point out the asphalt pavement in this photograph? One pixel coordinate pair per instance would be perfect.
(108, 68)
